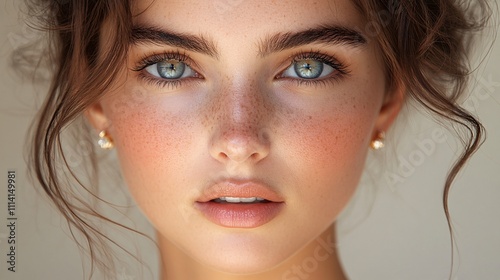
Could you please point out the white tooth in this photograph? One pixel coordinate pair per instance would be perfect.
(232, 199)
(250, 199)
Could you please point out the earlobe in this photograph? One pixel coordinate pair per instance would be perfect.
(96, 116)
(390, 109)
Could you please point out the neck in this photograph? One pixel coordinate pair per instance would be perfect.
(317, 260)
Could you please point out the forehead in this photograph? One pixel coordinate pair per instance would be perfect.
(246, 18)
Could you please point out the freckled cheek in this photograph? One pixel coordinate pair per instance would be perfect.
(150, 143)
(333, 139)
(329, 153)
(332, 160)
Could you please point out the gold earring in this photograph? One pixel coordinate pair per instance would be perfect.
(105, 141)
(378, 142)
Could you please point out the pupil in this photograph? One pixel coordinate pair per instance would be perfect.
(171, 69)
(308, 69)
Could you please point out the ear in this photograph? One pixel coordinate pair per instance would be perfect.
(393, 102)
(96, 116)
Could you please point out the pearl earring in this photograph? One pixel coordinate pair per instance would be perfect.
(105, 141)
(378, 142)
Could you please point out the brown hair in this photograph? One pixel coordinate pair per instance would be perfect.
(425, 46)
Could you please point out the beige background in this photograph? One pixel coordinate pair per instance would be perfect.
(394, 229)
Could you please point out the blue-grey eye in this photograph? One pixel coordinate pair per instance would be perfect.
(171, 69)
(308, 69)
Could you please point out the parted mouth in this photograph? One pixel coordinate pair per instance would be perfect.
(231, 199)
(239, 192)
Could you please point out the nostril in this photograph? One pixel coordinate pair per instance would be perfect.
(255, 156)
(223, 156)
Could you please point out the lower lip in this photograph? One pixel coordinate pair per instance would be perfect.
(240, 215)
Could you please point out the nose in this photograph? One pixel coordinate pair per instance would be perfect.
(240, 133)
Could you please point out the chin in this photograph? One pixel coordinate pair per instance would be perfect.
(242, 260)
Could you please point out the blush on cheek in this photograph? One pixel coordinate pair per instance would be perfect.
(332, 149)
(335, 137)
(150, 142)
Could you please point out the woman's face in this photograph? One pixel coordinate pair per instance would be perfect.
(271, 99)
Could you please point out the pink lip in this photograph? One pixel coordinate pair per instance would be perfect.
(240, 215)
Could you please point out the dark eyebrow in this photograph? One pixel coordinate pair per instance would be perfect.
(153, 35)
(326, 34)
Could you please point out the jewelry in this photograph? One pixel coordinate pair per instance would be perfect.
(105, 141)
(378, 142)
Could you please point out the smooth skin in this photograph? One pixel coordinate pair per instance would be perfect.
(242, 113)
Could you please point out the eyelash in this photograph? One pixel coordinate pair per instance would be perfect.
(340, 69)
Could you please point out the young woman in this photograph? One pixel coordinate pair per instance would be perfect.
(242, 127)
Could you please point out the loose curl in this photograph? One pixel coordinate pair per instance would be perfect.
(425, 45)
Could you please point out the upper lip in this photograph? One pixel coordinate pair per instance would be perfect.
(239, 188)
